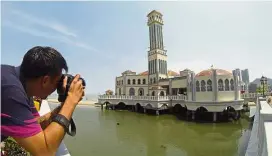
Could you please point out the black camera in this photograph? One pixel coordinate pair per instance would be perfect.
(60, 90)
(63, 93)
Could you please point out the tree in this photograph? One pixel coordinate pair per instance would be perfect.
(260, 89)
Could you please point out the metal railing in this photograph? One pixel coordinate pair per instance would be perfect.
(166, 98)
(253, 95)
(147, 98)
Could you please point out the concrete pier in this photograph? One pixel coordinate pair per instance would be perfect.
(193, 115)
(214, 116)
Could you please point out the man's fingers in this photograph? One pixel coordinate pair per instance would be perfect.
(76, 78)
(64, 81)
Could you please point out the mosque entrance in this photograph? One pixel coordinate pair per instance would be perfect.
(167, 89)
(182, 91)
(177, 91)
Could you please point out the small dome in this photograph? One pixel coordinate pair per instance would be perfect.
(172, 73)
(208, 72)
(143, 73)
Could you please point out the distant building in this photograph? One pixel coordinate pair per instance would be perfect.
(243, 79)
(252, 88)
(245, 76)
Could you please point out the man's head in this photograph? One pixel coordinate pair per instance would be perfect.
(42, 69)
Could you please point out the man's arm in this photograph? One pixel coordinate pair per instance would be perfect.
(19, 123)
(48, 140)
(23, 126)
(45, 120)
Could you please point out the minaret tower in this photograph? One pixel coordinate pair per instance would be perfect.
(157, 58)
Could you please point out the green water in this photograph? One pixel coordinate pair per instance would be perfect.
(143, 135)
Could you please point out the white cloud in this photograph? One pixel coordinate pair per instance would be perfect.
(33, 26)
(54, 25)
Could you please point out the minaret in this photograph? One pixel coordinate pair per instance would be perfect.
(157, 58)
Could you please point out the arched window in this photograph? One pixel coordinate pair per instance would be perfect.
(128, 81)
(153, 93)
(209, 85)
(143, 81)
(162, 93)
(150, 80)
(141, 92)
(154, 80)
(231, 85)
(120, 91)
(122, 82)
(227, 85)
(203, 86)
(220, 85)
(197, 86)
(131, 91)
(139, 81)
(133, 81)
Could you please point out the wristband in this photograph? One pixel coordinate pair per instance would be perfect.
(62, 120)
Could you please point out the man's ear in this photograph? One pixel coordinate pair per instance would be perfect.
(45, 80)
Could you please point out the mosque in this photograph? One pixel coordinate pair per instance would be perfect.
(211, 90)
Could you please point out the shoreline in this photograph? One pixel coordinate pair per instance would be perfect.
(81, 103)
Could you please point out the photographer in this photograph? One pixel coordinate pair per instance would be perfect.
(38, 75)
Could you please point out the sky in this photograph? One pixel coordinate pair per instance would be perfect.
(100, 40)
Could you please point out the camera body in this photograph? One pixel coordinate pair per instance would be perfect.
(63, 93)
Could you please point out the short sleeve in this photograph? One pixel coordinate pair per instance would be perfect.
(18, 114)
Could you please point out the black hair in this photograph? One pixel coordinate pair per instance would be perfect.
(41, 61)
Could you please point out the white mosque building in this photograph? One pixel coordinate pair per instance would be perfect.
(213, 90)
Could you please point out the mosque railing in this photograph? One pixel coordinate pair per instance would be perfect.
(253, 95)
(146, 98)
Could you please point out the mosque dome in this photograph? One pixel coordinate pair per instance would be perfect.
(208, 72)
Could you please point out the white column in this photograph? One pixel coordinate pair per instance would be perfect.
(157, 112)
(194, 86)
(116, 86)
(170, 86)
(124, 85)
(236, 84)
(214, 85)
(188, 85)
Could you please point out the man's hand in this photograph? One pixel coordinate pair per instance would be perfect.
(76, 91)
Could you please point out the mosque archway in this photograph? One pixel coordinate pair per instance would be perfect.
(162, 93)
(131, 91)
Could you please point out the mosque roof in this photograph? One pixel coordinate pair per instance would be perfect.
(208, 72)
(170, 73)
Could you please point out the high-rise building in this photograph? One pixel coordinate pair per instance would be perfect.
(245, 76)
(243, 79)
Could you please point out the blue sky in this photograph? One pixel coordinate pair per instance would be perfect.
(100, 40)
